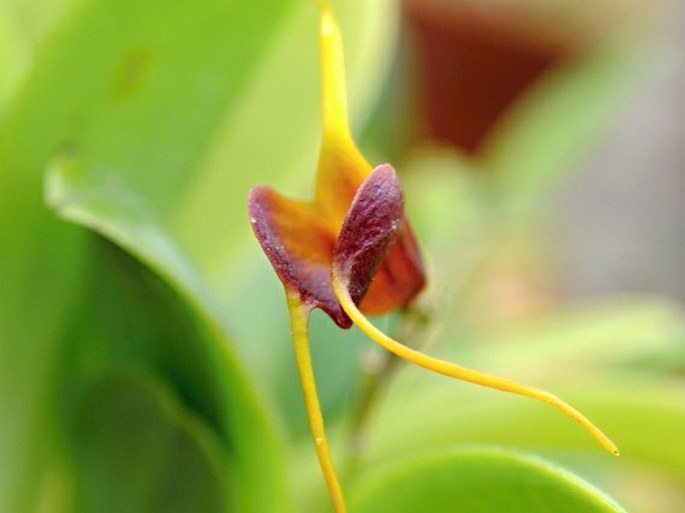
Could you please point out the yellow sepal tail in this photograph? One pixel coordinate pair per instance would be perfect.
(462, 373)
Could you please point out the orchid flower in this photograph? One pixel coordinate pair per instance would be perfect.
(351, 252)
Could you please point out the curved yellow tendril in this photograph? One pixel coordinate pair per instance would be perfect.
(299, 319)
(459, 372)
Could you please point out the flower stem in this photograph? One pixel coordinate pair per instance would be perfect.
(299, 320)
(459, 372)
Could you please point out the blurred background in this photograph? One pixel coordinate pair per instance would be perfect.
(541, 146)
(617, 217)
(570, 116)
(628, 194)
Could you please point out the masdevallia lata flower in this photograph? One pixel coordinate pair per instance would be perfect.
(351, 252)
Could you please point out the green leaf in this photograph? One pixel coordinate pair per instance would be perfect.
(81, 94)
(133, 318)
(159, 85)
(594, 335)
(476, 481)
(643, 414)
(13, 57)
(137, 449)
(139, 101)
(23, 25)
(35, 18)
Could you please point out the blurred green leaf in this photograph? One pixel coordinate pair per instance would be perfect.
(42, 277)
(23, 26)
(642, 414)
(609, 333)
(135, 92)
(130, 318)
(136, 449)
(646, 415)
(159, 84)
(35, 18)
(13, 57)
(133, 104)
(476, 481)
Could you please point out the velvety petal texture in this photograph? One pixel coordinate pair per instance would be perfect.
(370, 229)
(342, 170)
(300, 244)
(400, 278)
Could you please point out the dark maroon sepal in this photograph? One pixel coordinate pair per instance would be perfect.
(299, 248)
(371, 227)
